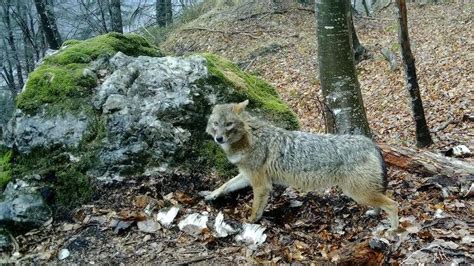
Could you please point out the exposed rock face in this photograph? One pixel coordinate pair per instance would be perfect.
(146, 103)
(22, 207)
(29, 132)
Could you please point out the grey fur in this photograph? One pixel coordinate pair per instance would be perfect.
(267, 155)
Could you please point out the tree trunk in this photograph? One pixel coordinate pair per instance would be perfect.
(7, 68)
(34, 35)
(424, 162)
(345, 111)
(423, 137)
(102, 19)
(21, 18)
(116, 15)
(161, 13)
(48, 24)
(169, 12)
(359, 50)
(11, 43)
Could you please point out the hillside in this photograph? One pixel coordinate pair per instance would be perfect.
(281, 47)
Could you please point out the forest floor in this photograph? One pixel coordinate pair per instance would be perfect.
(436, 212)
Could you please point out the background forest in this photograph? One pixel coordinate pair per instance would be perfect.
(106, 174)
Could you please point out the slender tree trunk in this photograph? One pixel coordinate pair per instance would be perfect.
(169, 12)
(11, 43)
(116, 15)
(423, 137)
(345, 109)
(164, 12)
(7, 69)
(48, 24)
(102, 19)
(359, 50)
(34, 35)
(21, 18)
(161, 13)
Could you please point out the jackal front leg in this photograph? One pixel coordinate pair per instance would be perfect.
(238, 182)
(261, 193)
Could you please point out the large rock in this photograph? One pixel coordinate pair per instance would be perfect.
(147, 115)
(22, 207)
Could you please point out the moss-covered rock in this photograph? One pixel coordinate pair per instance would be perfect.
(147, 116)
(62, 78)
(260, 93)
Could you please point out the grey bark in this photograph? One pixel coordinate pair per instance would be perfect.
(48, 24)
(359, 50)
(116, 15)
(345, 111)
(164, 12)
(423, 137)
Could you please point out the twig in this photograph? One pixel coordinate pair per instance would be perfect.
(445, 125)
(195, 259)
(249, 64)
(16, 246)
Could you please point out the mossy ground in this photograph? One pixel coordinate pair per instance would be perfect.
(5, 166)
(60, 80)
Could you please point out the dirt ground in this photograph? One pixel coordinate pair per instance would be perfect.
(312, 227)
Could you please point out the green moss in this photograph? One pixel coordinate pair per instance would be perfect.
(72, 188)
(103, 45)
(55, 85)
(5, 167)
(61, 80)
(260, 94)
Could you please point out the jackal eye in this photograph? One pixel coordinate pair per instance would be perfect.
(229, 124)
(215, 123)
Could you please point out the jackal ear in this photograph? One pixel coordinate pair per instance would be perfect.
(239, 107)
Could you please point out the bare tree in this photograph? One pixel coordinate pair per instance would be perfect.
(48, 24)
(345, 111)
(30, 49)
(164, 12)
(115, 15)
(6, 6)
(423, 137)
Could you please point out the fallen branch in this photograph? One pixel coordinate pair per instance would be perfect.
(424, 162)
(247, 33)
(445, 125)
(196, 259)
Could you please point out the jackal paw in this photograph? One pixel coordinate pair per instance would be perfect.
(373, 212)
(395, 231)
(253, 219)
(208, 195)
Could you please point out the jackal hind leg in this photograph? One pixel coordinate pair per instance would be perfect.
(379, 201)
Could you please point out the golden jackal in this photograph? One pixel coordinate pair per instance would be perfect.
(267, 155)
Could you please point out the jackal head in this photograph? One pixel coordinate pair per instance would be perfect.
(225, 124)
